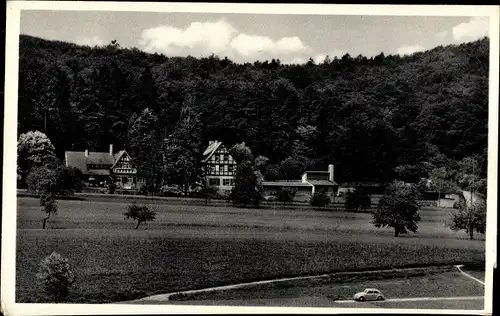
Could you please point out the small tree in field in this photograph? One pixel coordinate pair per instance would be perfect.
(55, 277)
(398, 208)
(44, 181)
(320, 199)
(141, 214)
(470, 218)
(286, 195)
(48, 201)
(357, 200)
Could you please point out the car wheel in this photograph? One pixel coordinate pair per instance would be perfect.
(361, 299)
(380, 298)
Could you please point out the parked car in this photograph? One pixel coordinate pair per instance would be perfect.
(369, 295)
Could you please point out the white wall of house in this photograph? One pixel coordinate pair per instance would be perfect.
(222, 183)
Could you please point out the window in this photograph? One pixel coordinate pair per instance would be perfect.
(226, 157)
(217, 169)
(227, 182)
(214, 181)
(221, 157)
(226, 169)
(213, 158)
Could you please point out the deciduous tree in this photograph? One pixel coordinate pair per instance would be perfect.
(34, 149)
(141, 214)
(398, 208)
(246, 189)
(471, 218)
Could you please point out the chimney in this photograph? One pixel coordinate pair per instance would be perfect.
(111, 149)
(330, 171)
(86, 152)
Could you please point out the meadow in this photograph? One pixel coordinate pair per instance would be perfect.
(194, 246)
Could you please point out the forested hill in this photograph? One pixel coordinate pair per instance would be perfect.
(375, 118)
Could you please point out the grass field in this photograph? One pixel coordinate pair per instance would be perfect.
(192, 246)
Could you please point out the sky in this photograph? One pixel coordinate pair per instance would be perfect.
(251, 37)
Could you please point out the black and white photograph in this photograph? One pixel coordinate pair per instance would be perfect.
(264, 158)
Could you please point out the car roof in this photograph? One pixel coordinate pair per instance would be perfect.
(371, 289)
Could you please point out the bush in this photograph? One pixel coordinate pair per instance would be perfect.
(112, 188)
(141, 214)
(55, 277)
(170, 191)
(286, 195)
(320, 199)
(357, 200)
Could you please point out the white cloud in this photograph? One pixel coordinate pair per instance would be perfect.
(205, 37)
(318, 59)
(252, 45)
(220, 38)
(476, 28)
(90, 41)
(409, 49)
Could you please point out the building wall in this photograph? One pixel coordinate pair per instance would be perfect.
(225, 183)
(303, 193)
(220, 167)
(448, 203)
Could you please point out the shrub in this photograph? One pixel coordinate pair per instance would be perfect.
(357, 200)
(320, 199)
(141, 214)
(286, 195)
(170, 190)
(55, 276)
(43, 180)
(112, 188)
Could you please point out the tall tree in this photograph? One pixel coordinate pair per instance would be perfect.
(146, 149)
(182, 148)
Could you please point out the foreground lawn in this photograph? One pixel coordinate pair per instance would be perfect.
(448, 284)
(190, 247)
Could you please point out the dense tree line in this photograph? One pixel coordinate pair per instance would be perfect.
(376, 118)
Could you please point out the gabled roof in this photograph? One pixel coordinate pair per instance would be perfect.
(210, 150)
(118, 156)
(77, 159)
